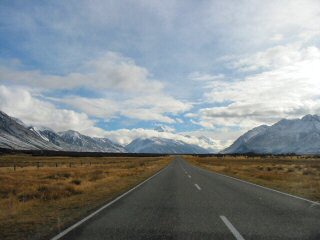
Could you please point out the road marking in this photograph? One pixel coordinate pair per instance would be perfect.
(313, 203)
(232, 229)
(197, 186)
(66, 231)
(189, 176)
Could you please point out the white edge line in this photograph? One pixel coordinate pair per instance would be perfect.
(257, 185)
(197, 186)
(61, 234)
(232, 229)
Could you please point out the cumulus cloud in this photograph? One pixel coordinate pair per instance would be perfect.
(289, 87)
(276, 57)
(125, 136)
(128, 88)
(277, 37)
(33, 110)
(197, 76)
(147, 107)
(20, 103)
(173, 38)
(111, 71)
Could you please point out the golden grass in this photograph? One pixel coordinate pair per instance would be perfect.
(36, 203)
(292, 174)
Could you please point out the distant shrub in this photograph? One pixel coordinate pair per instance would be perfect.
(59, 176)
(96, 175)
(47, 193)
(76, 181)
(307, 172)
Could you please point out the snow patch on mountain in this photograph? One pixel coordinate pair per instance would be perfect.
(163, 128)
(16, 135)
(300, 136)
(163, 145)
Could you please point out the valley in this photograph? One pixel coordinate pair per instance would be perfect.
(38, 201)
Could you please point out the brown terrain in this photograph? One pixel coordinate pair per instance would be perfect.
(42, 195)
(298, 175)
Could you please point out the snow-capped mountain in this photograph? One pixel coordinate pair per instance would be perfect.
(163, 129)
(300, 136)
(80, 142)
(53, 137)
(207, 143)
(163, 145)
(14, 134)
(239, 145)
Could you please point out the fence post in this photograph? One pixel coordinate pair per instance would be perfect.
(38, 165)
(69, 164)
(14, 167)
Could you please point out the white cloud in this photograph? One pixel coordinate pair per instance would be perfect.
(289, 87)
(146, 107)
(20, 103)
(276, 57)
(111, 71)
(35, 111)
(173, 38)
(127, 88)
(97, 107)
(32, 110)
(125, 136)
(277, 37)
(197, 76)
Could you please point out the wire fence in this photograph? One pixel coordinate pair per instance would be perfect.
(38, 165)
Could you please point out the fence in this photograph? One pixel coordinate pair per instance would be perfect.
(19, 165)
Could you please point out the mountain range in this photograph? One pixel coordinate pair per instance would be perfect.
(161, 145)
(14, 134)
(299, 136)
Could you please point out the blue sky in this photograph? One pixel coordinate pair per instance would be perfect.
(109, 68)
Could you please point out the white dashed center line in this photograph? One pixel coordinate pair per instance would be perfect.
(189, 176)
(232, 229)
(198, 187)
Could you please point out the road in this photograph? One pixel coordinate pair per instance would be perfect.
(186, 202)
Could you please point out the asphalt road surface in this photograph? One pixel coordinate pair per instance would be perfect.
(186, 202)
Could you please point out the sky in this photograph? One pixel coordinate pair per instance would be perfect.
(118, 69)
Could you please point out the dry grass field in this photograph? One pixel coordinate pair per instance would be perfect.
(42, 195)
(297, 175)
(45, 194)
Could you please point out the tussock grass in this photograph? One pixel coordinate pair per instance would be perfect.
(35, 203)
(299, 175)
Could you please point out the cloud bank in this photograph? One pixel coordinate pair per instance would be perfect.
(112, 67)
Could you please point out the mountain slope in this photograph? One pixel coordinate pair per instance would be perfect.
(163, 145)
(85, 143)
(300, 136)
(239, 145)
(14, 135)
